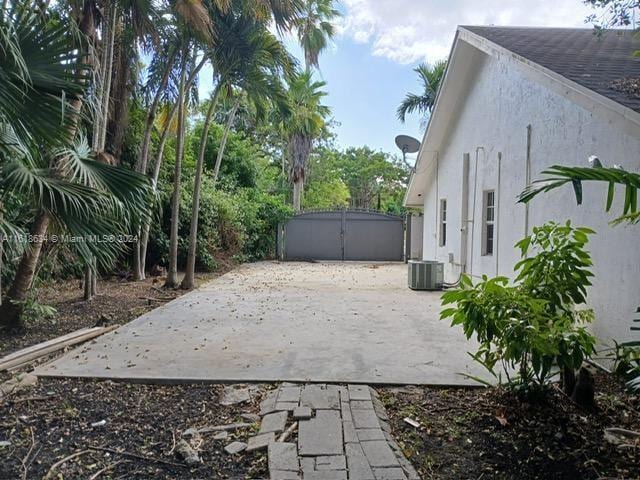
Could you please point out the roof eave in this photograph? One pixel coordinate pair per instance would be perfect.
(411, 188)
(490, 47)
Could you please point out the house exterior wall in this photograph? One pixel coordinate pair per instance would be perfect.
(492, 129)
(416, 232)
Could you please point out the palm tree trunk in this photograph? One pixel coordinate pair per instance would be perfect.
(188, 282)
(141, 166)
(225, 137)
(88, 277)
(298, 149)
(298, 190)
(172, 272)
(140, 249)
(121, 90)
(109, 31)
(11, 308)
(100, 122)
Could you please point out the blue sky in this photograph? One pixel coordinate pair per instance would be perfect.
(364, 92)
(369, 66)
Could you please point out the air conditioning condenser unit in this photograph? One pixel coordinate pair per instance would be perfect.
(426, 275)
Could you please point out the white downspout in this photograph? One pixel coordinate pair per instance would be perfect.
(437, 202)
(527, 180)
(473, 212)
(497, 214)
(464, 214)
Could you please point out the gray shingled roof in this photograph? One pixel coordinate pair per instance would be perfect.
(595, 62)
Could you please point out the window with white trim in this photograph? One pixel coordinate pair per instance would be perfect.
(443, 222)
(488, 222)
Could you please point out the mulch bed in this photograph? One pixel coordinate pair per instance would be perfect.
(52, 420)
(489, 433)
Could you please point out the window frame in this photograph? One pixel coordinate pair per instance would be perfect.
(489, 210)
(442, 223)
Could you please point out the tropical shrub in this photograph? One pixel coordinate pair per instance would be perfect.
(239, 224)
(529, 328)
(626, 363)
(558, 176)
(260, 214)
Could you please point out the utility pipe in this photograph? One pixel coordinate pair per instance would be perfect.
(496, 213)
(527, 171)
(464, 213)
(437, 202)
(473, 212)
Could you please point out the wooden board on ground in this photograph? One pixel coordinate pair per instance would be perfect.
(29, 354)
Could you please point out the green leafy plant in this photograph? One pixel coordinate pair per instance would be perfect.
(626, 363)
(531, 327)
(626, 357)
(34, 311)
(558, 176)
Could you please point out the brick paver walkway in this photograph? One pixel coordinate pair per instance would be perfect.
(342, 434)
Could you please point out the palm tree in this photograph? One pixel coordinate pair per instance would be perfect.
(315, 29)
(169, 124)
(431, 77)
(43, 82)
(195, 24)
(248, 58)
(187, 64)
(303, 125)
(140, 26)
(199, 18)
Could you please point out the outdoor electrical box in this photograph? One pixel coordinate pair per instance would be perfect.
(425, 275)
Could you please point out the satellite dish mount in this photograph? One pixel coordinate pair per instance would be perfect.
(407, 144)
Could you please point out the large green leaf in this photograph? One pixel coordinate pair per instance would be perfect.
(39, 75)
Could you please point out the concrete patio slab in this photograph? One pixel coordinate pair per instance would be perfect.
(269, 321)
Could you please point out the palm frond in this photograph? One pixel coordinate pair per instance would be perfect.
(562, 175)
(283, 12)
(87, 198)
(410, 104)
(252, 59)
(39, 75)
(195, 15)
(315, 28)
(431, 77)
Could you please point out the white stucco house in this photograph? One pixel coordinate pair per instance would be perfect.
(513, 102)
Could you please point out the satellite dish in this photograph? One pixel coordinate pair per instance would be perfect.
(407, 144)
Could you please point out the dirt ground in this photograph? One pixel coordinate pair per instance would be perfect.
(488, 433)
(141, 424)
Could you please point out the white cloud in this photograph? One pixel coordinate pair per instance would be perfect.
(407, 31)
